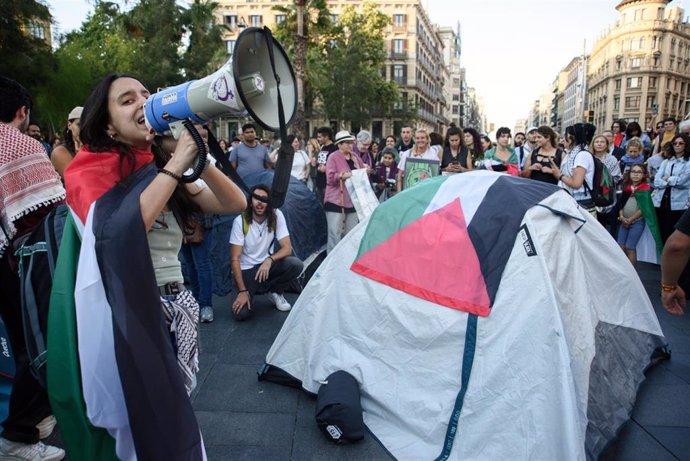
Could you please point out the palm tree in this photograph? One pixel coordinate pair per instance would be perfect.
(305, 25)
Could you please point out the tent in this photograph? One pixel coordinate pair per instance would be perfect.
(304, 216)
(484, 316)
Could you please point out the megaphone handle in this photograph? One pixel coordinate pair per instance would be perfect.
(201, 156)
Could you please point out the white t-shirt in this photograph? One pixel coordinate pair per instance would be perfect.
(578, 158)
(257, 243)
(300, 159)
(430, 154)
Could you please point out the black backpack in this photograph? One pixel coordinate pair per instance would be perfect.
(36, 255)
(603, 191)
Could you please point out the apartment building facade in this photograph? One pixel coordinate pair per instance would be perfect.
(639, 70)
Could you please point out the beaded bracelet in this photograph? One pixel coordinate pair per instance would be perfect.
(176, 177)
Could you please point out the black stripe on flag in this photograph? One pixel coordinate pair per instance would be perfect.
(160, 413)
(496, 223)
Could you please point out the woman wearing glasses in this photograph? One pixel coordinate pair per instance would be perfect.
(671, 184)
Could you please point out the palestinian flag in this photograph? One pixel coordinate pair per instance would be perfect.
(113, 380)
(444, 249)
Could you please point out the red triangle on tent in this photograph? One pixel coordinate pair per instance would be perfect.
(432, 258)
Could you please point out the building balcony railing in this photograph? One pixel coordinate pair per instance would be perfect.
(397, 54)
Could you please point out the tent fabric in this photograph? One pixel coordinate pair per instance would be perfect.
(305, 219)
(532, 380)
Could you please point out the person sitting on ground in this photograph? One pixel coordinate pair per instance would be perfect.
(65, 152)
(254, 266)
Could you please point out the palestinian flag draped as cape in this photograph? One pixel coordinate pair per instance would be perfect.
(113, 380)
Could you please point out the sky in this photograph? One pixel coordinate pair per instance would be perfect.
(512, 49)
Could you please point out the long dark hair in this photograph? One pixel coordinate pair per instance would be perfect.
(248, 213)
(94, 134)
(68, 141)
(632, 127)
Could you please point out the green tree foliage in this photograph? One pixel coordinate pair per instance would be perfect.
(23, 57)
(306, 51)
(98, 48)
(205, 52)
(155, 29)
(351, 83)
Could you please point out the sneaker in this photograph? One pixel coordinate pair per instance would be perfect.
(46, 427)
(29, 452)
(206, 314)
(279, 300)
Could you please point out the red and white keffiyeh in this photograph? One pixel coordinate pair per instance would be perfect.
(28, 180)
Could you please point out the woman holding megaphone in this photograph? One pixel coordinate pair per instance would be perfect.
(136, 322)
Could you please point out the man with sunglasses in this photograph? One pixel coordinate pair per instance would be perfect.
(255, 234)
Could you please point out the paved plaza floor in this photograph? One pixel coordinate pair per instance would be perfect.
(244, 419)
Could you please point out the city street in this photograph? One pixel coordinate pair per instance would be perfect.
(242, 418)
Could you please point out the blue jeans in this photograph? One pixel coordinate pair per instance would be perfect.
(198, 270)
(629, 237)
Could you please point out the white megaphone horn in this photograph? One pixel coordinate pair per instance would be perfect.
(246, 84)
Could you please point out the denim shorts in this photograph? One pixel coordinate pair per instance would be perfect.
(629, 237)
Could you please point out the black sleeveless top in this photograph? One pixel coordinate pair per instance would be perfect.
(537, 158)
(448, 157)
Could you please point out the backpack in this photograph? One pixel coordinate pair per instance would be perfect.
(603, 191)
(36, 254)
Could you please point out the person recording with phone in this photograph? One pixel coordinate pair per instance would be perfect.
(127, 191)
(539, 164)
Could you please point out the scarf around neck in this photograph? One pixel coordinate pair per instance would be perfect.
(28, 180)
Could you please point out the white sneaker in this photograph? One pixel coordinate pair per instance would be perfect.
(281, 303)
(46, 427)
(206, 314)
(16, 451)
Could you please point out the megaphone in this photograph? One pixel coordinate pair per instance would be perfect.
(248, 83)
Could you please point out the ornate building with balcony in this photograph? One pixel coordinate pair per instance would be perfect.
(415, 56)
(638, 71)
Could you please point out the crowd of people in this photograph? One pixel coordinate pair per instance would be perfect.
(106, 143)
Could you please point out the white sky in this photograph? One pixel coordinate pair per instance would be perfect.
(512, 49)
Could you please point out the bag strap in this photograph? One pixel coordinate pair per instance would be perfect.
(227, 167)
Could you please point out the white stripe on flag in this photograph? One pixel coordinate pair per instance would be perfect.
(103, 395)
(473, 186)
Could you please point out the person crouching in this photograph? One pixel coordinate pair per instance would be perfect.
(254, 268)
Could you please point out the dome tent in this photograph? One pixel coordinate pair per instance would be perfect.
(484, 316)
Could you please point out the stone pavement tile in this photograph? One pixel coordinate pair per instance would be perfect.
(211, 341)
(247, 429)
(660, 375)
(236, 388)
(663, 405)
(679, 365)
(634, 444)
(246, 453)
(250, 341)
(675, 439)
